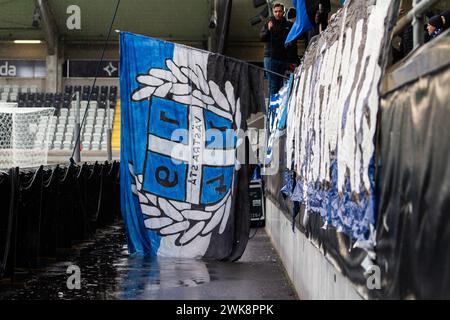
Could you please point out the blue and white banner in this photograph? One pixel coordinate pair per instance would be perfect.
(183, 194)
(277, 117)
(332, 118)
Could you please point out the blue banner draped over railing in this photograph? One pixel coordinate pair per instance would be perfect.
(182, 110)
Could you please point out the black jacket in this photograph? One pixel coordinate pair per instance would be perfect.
(275, 38)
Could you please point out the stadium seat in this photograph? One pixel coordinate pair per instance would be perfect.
(112, 96)
(95, 145)
(104, 90)
(95, 89)
(59, 135)
(49, 96)
(68, 137)
(77, 88)
(113, 89)
(58, 97)
(61, 127)
(93, 105)
(86, 89)
(68, 89)
(70, 128)
(57, 145)
(98, 129)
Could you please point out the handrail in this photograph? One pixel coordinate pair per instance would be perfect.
(418, 9)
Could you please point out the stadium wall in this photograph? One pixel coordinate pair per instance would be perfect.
(313, 276)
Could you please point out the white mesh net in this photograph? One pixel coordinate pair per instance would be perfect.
(24, 136)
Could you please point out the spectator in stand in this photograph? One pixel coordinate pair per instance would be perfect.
(435, 26)
(274, 34)
(445, 16)
(321, 10)
(292, 49)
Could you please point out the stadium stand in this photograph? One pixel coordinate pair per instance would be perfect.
(61, 131)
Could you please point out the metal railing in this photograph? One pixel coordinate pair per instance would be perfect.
(415, 17)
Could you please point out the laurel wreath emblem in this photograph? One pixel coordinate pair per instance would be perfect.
(188, 86)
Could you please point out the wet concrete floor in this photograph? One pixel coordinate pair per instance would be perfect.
(109, 272)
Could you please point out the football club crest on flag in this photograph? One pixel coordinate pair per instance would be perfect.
(182, 183)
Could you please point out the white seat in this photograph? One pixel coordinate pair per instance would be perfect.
(86, 145)
(95, 145)
(98, 130)
(23, 89)
(58, 138)
(96, 137)
(33, 89)
(43, 126)
(87, 139)
(67, 144)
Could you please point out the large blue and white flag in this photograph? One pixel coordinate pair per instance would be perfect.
(183, 194)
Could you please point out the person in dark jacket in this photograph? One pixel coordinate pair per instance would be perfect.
(274, 34)
(320, 10)
(292, 48)
(435, 26)
(445, 16)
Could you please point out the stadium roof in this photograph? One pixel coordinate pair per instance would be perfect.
(176, 20)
